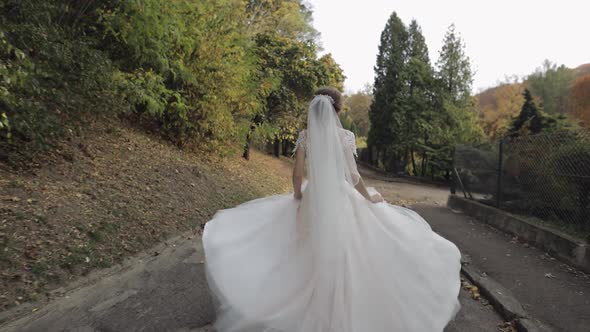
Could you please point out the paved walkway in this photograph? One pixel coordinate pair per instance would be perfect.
(164, 292)
(548, 289)
(473, 317)
(168, 291)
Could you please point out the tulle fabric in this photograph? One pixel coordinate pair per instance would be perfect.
(393, 272)
(332, 262)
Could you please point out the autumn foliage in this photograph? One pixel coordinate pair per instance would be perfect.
(580, 100)
(560, 92)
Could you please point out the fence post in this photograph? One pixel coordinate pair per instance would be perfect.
(499, 185)
(453, 176)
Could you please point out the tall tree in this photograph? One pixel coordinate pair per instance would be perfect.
(357, 107)
(289, 72)
(419, 76)
(458, 121)
(331, 73)
(552, 84)
(417, 114)
(529, 120)
(506, 103)
(287, 18)
(454, 67)
(288, 68)
(388, 106)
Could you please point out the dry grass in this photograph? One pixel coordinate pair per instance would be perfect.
(110, 196)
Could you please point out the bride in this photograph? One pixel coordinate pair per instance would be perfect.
(331, 256)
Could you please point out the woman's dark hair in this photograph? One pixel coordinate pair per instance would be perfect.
(334, 93)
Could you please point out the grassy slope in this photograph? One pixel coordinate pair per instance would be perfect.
(110, 195)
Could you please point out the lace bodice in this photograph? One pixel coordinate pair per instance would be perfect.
(347, 136)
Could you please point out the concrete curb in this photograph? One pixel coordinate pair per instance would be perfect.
(503, 301)
(564, 247)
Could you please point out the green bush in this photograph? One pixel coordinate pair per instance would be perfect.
(199, 72)
(51, 78)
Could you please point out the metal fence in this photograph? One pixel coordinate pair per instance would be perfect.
(545, 176)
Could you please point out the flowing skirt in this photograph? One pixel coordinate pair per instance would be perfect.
(390, 272)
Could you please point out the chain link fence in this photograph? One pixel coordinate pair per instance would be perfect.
(545, 177)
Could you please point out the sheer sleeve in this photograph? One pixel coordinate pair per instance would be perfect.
(350, 142)
(301, 141)
(351, 154)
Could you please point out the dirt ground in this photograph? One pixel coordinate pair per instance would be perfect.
(100, 199)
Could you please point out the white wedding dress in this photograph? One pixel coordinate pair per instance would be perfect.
(332, 261)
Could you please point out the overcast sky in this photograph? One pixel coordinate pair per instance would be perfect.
(502, 37)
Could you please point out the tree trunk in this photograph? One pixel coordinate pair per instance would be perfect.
(286, 148)
(424, 156)
(414, 171)
(277, 147)
(246, 154)
(424, 164)
(404, 160)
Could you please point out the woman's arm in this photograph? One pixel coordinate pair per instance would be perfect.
(362, 189)
(298, 172)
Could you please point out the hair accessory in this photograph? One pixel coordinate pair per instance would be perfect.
(329, 98)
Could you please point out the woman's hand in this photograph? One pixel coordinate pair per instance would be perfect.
(297, 196)
(376, 198)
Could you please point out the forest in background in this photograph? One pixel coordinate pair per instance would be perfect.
(557, 90)
(220, 76)
(211, 74)
(419, 110)
(416, 112)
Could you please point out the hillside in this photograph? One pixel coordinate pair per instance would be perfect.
(582, 70)
(487, 97)
(559, 90)
(110, 195)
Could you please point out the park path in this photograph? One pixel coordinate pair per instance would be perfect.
(165, 289)
(549, 290)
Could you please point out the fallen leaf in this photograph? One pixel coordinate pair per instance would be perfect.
(506, 327)
(474, 291)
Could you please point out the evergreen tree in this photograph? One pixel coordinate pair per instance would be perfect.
(417, 115)
(454, 68)
(419, 100)
(552, 84)
(528, 119)
(388, 107)
(457, 118)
